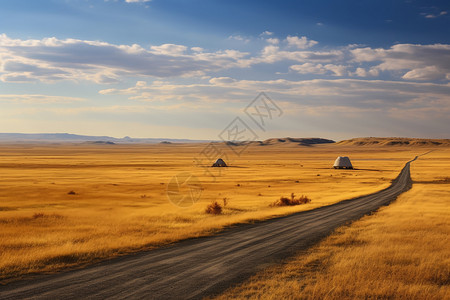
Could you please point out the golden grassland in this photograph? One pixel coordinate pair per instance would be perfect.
(120, 203)
(400, 252)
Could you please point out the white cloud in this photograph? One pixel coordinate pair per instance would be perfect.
(222, 81)
(52, 59)
(137, 1)
(169, 49)
(418, 62)
(361, 72)
(274, 53)
(177, 77)
(310, 68)
(301, 43)
(435, 15)
(273, 41)
(197, 49)
(38, 99)
(369, 106)
(322, 104)
(239, 38)
(326, 106)
(269, 33)
(426, 73)
(376, 94)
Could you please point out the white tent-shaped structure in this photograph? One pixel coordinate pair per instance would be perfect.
(219, 163)
(342, 162)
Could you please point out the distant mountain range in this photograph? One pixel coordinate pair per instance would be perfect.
(108, 140)
(75, 138)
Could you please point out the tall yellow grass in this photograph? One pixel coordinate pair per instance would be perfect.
(401, 252)
(119, 204)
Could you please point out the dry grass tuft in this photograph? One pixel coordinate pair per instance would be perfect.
(38, 215)
(41, 215)
(284, 201)
(214, 208)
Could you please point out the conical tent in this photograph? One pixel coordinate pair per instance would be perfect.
(343, 162)
(219, 163)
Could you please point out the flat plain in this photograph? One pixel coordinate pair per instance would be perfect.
(68, 205)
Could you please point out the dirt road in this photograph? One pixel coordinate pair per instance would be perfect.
(199, 267)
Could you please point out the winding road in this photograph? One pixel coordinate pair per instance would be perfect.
(195, 268)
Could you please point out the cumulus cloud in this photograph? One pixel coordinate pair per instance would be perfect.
(197, 49)
(414, 62)
(365, 104)
(53, 59)
(172, 76)
(301, 43)
(273, 41)
(361, 72)
(169, 49)
(267, 33)
(374, 94)
(310, 68)
(239, 38)
(274, 53)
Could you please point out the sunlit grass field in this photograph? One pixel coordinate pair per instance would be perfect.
(70, 205)
(401, 252)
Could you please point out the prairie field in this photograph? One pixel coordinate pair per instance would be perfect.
(68, 205)
(400, 252)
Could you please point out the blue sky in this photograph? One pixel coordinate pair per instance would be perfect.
(185, 69)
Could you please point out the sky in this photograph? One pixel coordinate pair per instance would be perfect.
(188, 69)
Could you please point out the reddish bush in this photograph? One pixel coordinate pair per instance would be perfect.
(214, 208)
(284, 201)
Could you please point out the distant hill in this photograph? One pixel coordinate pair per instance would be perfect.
(286, 141)
(101, 143)
(298, 141)
(373, 141)
(75, 138)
